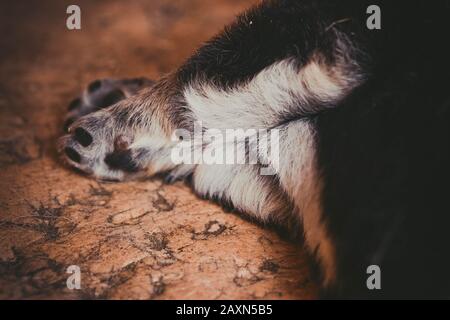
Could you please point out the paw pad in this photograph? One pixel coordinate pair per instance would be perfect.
(76, 103)
(72, 154)
(122, 160)
(111, 98)
(90, 146)
(83, 137)
(93, 86)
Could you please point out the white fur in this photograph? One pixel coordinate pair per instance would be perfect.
(265, 100)
(242, 186)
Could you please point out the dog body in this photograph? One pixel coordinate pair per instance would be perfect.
(362, 117)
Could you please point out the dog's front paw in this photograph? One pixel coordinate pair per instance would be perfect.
(108, 145)
(131, 138)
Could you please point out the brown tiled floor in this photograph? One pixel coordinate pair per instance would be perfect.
(131, 240)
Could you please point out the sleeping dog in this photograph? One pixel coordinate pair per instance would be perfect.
(363, 138)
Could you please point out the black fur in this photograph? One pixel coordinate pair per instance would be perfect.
(384, 154)
(273, 31)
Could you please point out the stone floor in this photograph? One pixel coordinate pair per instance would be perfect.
(133, 240)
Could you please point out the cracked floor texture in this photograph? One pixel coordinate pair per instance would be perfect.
(133, 240)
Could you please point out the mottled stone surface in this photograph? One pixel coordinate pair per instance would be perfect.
(139, 239)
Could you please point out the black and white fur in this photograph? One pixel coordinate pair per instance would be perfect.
(364, 123)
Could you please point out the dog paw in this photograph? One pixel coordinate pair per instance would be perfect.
(119, 142)
(125, 140)
(102, 93)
